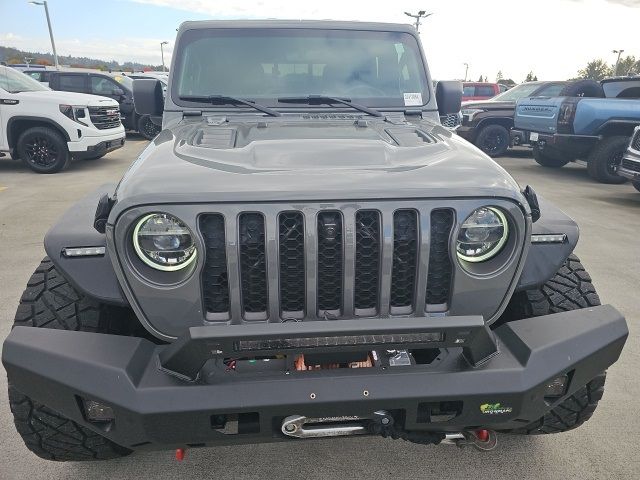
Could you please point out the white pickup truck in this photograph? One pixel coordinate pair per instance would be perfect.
(46, 128)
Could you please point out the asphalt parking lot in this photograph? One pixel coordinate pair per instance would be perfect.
(606, 447)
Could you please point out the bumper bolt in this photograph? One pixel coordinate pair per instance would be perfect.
(290, 428)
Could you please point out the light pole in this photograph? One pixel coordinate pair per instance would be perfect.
(162, 53)
(418, 16)
(53, 44)
(466, 71)
(615, 70)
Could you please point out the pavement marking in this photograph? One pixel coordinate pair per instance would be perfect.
(2, 188)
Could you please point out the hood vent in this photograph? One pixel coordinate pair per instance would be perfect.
(216, 138)
(406, 137)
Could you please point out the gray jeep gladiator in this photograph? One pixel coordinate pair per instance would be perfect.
(303, 252)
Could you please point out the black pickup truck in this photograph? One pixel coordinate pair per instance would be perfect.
(116, 86)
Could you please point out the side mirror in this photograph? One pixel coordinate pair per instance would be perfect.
(449, 96)
(118, 92)
(148, 97)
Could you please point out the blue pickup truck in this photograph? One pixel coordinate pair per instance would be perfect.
(595, 126)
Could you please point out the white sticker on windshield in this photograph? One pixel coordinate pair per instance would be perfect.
(412, 99)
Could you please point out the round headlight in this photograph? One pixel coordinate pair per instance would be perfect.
(482, 235)
(163, 242)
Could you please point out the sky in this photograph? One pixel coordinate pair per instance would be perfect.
(552, 38)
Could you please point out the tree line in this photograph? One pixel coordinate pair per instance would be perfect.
(11, 55)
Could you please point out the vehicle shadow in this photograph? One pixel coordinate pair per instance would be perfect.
(519, 152)
(331, 458)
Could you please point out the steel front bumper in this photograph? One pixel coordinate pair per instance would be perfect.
(157, 409)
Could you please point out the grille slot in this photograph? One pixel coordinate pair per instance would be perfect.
(367, 272)
(104, 118)
(635, 143)
(291, 262)
(440, 265)
(405, 256)
(330, 263)
(450, 120)
(215, 279)
(253, 266)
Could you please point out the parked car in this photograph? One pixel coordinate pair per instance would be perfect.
(111, 85)
(479, 90)
(629, 167)
(281, 265)
(41, 75)
(588, 120)
(45, 129)
(21, 67)
(163, 79)
(488, 124)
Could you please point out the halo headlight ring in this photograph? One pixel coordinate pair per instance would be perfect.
(145, 258)
(495, 249)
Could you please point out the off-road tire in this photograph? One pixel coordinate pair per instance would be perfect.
(494, 140)
(548, 158)
(571, 413)
(49, 301)
(605, 155)
(147, 128)
(33, 143)
(582, 88)
(569, 289)
(636, 185)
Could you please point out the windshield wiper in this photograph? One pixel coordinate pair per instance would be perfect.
(226, 100)
(327, 100)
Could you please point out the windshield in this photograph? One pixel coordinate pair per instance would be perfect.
(122, 80)
(13, 81)
(516, 93)
(377, 69)
(622, 89)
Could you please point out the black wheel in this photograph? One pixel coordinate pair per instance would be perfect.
(49, 301)
(493, 140)
(636, 185)
(147, 128)
(569, 289)
(604, 159)
(43, 149)
(549, 158)
(582, 88)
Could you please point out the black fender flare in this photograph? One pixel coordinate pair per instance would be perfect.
(545, 259)
(93, 276)
(13, 120)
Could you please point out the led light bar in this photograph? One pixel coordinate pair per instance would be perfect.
(549, 238)
(338, 341)
(84, 252)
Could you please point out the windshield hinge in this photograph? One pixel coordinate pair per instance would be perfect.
(413, 112)
(192, 113)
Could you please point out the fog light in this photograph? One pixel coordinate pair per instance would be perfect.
(98, 412)
(557, 386)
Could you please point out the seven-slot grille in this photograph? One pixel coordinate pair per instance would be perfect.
(104, 118)
(326, 264)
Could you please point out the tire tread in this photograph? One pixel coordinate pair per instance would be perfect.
(49, 301)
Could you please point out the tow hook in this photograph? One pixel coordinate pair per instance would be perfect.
(482, 439)
(180, 454)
